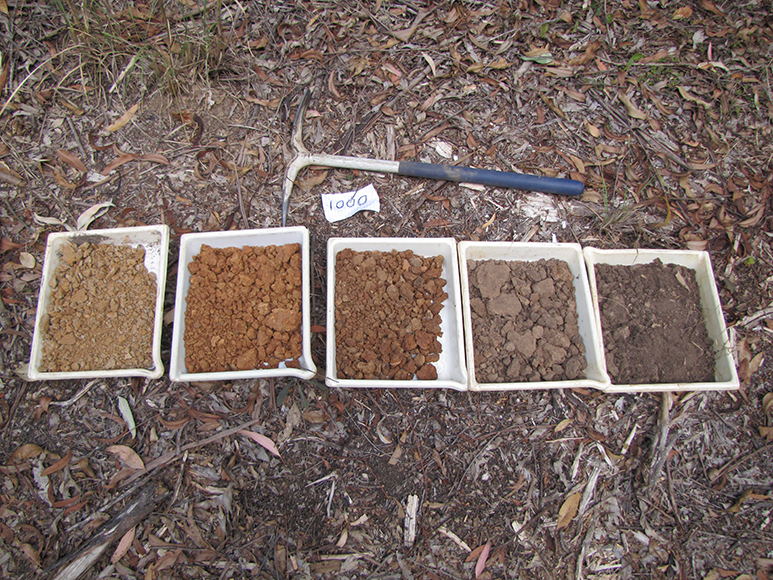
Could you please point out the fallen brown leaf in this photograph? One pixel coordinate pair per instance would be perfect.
(71, 160)
(127, 455)
(123, 546)
(9, 176)
(117, 162)
(154, 158)
(552, 106)
(26, 451)
(688, 96)
(123, 119)
(630, 107)
(568, 510)
(683, 12)
(405, 35)
(480, 565)
(59, 465)
(261, 440)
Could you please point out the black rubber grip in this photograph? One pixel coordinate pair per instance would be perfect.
(539, 183)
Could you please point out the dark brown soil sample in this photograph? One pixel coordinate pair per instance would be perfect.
(653, 327)
(387, 317)
(244, 309)
(524, 322)
(102, 310)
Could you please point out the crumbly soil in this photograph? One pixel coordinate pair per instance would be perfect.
(244, 309)
(388, 315)
(102, 310)
(524, 321)
(653, 327)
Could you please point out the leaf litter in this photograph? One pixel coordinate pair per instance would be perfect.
(663, 111)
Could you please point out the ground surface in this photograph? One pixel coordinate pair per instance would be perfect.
(182, 115)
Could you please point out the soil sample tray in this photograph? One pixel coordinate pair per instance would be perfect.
(100, 309)
(394, 314)
(242, 307)
(661, 321)
(528, 317)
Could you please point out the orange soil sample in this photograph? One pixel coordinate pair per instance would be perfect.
(244, 309)
(388, 315)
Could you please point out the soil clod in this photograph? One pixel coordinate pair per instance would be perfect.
(524, 321)
(101, 312)
(388, 315)
(244, 308)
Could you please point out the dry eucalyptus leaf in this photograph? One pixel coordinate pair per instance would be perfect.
(9, 176)
(683, 12)
(687, 95)
(123, 546)
(592, 129)
(26, 451)
(71, 160)
(480, 565)
(94, 212)
(767, 405)
(128, 416)
(123, 119)
(261, 440)
(127, 455)
(27, 260)
(568, 510)
(117, 162)
(630, 107)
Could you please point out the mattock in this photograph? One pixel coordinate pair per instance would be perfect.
(303, 158)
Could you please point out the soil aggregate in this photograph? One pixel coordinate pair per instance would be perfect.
(388, 315)
(244, 308)
(652, 324)
(101, 312)
(524, 321)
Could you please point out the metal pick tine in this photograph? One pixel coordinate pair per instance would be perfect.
(303, 158)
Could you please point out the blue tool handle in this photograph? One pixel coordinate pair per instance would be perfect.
(539, 183)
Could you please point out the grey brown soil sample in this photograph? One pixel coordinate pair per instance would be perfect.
(244, 309)
(102, 310)
(652, 324)
(524, 322)
(387, 315)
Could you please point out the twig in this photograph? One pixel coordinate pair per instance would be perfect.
(162, 461)
(12, 412)
(672, 497)
(661, 452)
(166, 458)
(77, 396)
(77, 137)
(733, 464)
(75, 564)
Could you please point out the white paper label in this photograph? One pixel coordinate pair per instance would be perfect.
(339, 206)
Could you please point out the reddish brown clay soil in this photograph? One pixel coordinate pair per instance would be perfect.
(101, 312)
(653, 327)
(244, 308)
(524, 322)
(388, 315)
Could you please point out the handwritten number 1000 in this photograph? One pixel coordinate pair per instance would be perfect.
(340, 204)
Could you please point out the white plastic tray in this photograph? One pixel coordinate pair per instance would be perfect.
(451, 369)
(596, 373)
(190, 246)
(155, 240)
(725, 374)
